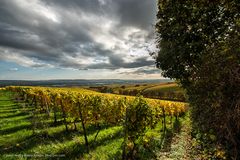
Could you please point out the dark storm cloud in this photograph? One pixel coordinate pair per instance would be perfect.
(66, 33)
(86, 5)
(137, 12)
(116, 63)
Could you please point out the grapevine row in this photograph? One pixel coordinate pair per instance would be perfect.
(93, 108)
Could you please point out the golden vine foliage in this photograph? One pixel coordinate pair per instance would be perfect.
(96, 107)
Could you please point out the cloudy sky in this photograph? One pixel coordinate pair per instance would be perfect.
(68, 39)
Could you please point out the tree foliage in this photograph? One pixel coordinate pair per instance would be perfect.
(198, 45)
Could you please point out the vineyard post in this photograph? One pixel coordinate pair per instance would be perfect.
(33, 101)
(34, 105)
(42, 104)
(83, 126)
(47, 112)
(55, 113)
(98, 130)
(47, 107)
(26, 100)
(64, 116)
(96, 104)
(176, 117)
(75, 125)
(164, 120)
(124, 155)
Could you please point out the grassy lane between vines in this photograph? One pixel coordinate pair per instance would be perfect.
(178, 142)
(17, 140)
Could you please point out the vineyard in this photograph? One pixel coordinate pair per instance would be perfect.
(165, 91)
(84, 108)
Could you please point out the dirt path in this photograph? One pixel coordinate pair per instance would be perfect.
(178, 144)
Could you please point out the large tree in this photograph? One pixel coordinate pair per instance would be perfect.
(199, 45)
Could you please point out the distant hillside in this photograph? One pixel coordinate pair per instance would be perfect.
(77, 82)
(163, 90)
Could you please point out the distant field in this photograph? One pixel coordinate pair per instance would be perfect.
(168, 91)
(164, 87)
